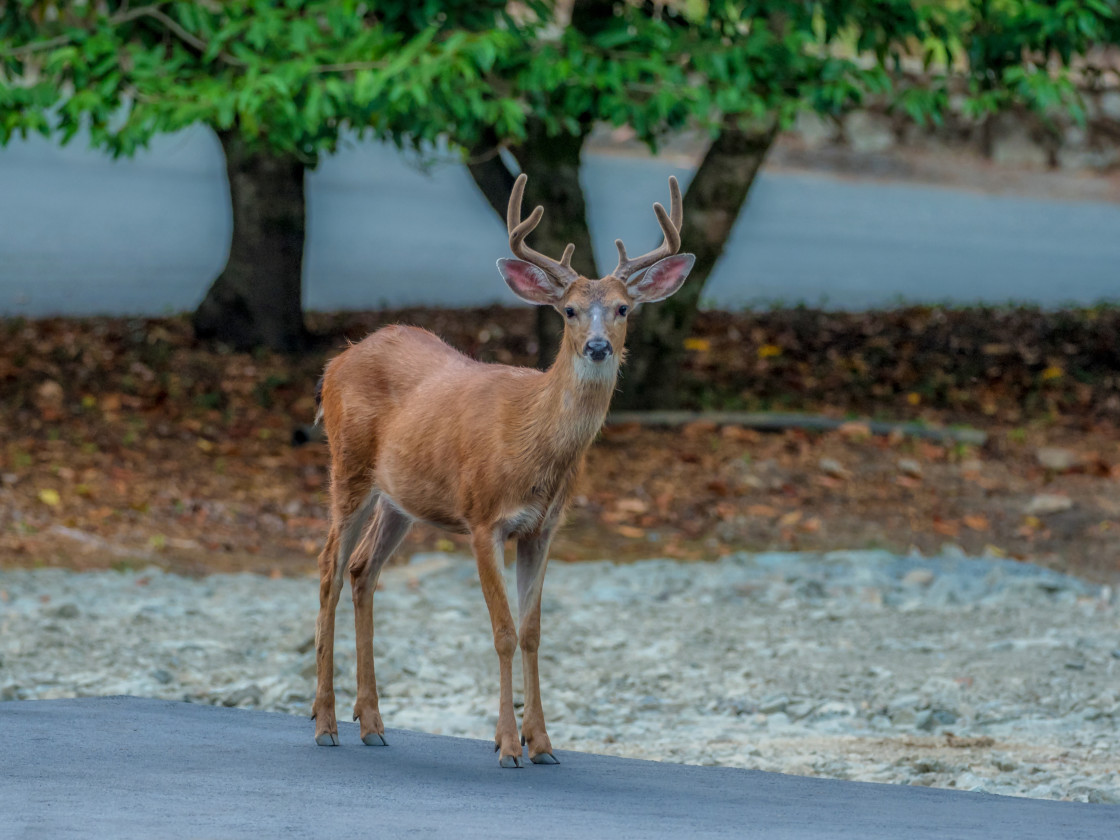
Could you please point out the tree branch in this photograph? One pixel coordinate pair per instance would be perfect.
(152, 11)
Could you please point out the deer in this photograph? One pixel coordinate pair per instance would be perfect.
(419, 432)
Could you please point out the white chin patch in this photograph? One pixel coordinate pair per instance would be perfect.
(588, 370)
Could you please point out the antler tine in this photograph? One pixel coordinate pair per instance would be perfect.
(671, 229)
(518, 230)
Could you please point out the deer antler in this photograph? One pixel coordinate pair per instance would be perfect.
(518, 230)
(670, 225)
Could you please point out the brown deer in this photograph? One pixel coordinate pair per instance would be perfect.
(418, 431)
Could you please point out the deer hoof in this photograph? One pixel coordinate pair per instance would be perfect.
(510, 761)
(327, 739)
(544, 758)
(372, 739)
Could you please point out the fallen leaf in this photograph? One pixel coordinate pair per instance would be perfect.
(976, 521)
(790, 519)
(946, 527)
(630, 531)
(50, 497)
(631, 506)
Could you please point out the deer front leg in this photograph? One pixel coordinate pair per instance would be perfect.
(385, 533)
(330, 585)
(487, 545)
(532, 560)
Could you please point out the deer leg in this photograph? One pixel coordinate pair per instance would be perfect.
(385, 533)
(487, 545)
(346, 526)
(532, 560)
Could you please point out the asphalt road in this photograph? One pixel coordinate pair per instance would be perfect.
(124, 767)
(81, 234)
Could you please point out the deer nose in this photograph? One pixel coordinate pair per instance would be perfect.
(597, 349)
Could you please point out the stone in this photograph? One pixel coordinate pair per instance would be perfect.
(1109, 104)
(1099, 796)
(814, 130)
(1057, 459)
(833, 468)
(868, 132)
(918, 577)
(1045, 504)
(910, 467)
(1013, 146)
(774, 703)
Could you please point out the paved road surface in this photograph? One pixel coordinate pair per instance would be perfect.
(131, 768)
(81, 234)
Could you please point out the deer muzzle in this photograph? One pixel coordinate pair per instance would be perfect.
(597, 349)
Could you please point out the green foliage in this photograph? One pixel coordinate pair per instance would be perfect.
(291, 75)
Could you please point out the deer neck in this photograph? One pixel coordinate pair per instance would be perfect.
(569, 407)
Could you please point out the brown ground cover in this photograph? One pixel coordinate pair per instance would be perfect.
(126, 443)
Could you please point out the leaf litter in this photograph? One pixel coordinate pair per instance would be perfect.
(129, 443)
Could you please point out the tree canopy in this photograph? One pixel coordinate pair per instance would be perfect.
(289, 77)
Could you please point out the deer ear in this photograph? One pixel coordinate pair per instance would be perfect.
(529, 282)
(662, 279)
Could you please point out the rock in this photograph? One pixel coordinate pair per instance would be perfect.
(1110, 104)
(918, 577)
(800, 709)
(1045, 504)
(249, 695)
(775, 703)
(903, 709)
(67, 610)
(162, 676)
(868, 132)
(910, 467)
(833, 468)
(1099, 796)
(1056, 459)
(1013, 145)
(814, 130)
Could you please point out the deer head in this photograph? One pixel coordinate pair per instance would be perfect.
(595, 311)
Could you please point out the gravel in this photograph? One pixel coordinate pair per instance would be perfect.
(978, 674)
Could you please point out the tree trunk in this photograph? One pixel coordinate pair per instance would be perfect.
(257, 299)
(651, 378)
(553, 166)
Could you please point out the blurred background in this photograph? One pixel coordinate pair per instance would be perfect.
(893, 373)
(905, 216)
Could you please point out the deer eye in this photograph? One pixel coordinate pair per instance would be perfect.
(622, 310)
(569, 311)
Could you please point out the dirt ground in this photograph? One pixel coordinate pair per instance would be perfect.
(128, 444)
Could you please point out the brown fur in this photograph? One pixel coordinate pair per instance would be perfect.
(418, 431)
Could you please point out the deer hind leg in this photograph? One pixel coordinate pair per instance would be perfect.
(348, 517)
(384, 534)
(487, 545)
(532, 559)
